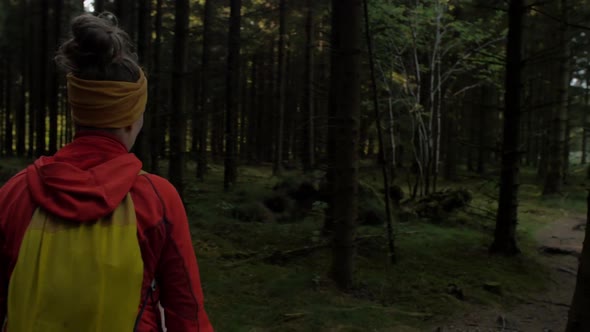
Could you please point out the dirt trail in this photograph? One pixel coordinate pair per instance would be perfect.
(562, 243)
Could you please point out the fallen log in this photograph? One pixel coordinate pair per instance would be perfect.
(282, 256)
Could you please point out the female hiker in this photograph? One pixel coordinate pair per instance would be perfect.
(88, 242)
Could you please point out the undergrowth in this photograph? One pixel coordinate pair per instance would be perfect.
(441, 270)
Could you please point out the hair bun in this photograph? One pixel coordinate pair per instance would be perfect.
(93, 37)
(96, 45)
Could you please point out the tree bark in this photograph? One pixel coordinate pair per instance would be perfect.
(345, 105)
(99, 6)
(41, 79)
(144, 33)
(205, 101)
(155, 101)
(179, 84)
(554, 178)
(21, 113)
(307, 156)
(244, 110)
(579, 320)
(452, 132)
(507, 217)
(3, 107)
(123, 11)
(278, 162)
(54, 82)
(488, 100)
(586, 130)
(232, 95)
(8, 138)
(385, 167)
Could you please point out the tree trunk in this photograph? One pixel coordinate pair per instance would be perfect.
(278, 162)
(218, 128)
(244, 110)
(179, 84)
(554, 178)
(507, 217)
(307, 155)
(21, 111)
(8, 139)
(123, 11)
(579, 320)
(32, 101)
(345, 105)
(451, 143)
(232, 95)
(253, 123)
(205, 101)
(487, 107)
(3, 107)
(41, 80)
(54, 82)
(586, 130)
(155, 84)
(98, 6)
(144, 33)
(530, 134)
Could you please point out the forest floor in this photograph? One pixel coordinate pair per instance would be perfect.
(561, 244)
(444, 278)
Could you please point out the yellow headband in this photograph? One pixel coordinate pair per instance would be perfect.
(107, 104)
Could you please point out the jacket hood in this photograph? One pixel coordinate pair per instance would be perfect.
(86, 180)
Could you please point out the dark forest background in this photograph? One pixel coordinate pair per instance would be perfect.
(322, 117)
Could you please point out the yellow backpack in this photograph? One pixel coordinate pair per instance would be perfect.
(72, 277)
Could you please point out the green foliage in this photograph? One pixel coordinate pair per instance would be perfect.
(406, 37)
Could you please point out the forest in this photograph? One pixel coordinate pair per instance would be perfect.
(350, 165)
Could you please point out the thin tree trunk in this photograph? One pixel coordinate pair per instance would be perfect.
(486, 108)
(179, 105)
(253, 123)
(345, 105)
(307, 156)
(21, 111)
(3, 107)
(278, 163)
(98, 6)
(41, 79)
(54, 82)
(123, 10)
(8, 138)
(144, 33)
(205, 101)
(586, 130)
(32, 101)
(244, 110)
(155, 83)
(232, 95)
(507, 217)
(554, 178)
(451, 144)
(530, 130)
(579, 320)
(384, 165)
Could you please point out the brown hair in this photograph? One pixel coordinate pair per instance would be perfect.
(98, 50)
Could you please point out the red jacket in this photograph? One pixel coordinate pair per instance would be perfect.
(86, 180)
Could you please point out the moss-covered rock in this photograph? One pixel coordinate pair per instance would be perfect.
(439, 205)
(253, 212)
